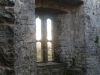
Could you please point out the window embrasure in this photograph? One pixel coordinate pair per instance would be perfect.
(44, 40)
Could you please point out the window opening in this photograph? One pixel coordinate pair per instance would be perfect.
(49, 36)
(39, 53)
(49, 47)
(43, 45)
(38, 29)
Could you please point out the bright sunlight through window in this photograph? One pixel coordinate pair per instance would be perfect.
(38, 29)
(42, 54)
(49, 35)
(49, 46)
(38, 46)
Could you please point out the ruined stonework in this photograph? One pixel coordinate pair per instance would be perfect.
(92, 37)
(7, 53)
(79, 37)
(76, 37)
(51, 68)
(24, 37)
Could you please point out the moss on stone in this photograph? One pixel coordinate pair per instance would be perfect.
(96, 39)
(72, 65)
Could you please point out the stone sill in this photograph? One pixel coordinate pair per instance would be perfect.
(40, 64)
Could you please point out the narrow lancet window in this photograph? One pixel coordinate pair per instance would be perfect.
(49, 28)
(38, 29)
(49, 48)
(39, 53)
(44, 45)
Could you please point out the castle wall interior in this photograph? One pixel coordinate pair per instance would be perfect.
(73, 47)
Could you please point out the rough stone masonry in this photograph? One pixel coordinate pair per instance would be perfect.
(77, 38)
(24, 37)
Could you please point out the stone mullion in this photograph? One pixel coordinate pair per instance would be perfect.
(44, 41)
(24, 37)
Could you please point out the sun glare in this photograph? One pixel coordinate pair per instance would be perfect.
(39, 44)
(49, 36)
(38, 29)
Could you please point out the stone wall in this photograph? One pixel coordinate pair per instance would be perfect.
(24, 38)
(72, 47)
(51, 68)
(64, 39)
(79, 37)
(92, 36)
(7, 53)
